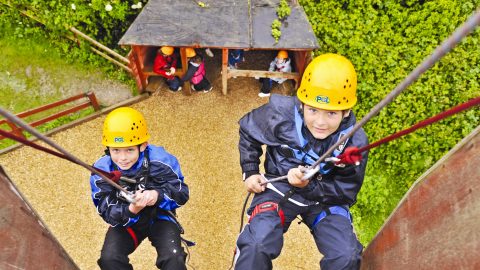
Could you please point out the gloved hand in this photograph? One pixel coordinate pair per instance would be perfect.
(351, 155)
(172, 70)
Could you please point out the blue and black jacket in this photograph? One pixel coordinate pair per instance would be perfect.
(280, 126)
(164, 176)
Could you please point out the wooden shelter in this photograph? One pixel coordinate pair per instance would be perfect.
(221, 24)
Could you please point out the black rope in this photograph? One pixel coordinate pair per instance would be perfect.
(241, 224)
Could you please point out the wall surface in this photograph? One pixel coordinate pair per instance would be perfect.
(435, 226)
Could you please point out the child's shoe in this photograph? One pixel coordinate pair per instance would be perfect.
(208, 90)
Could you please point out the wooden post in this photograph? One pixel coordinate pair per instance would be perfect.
(183, 57)
(93, 100)
(301, 62)
(224, 70)
(98, 44)
(143, 79)
(111, 59)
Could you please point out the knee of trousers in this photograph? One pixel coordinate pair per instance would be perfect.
(263, 234)
(346, 258)
(173, 258)
(111, 260)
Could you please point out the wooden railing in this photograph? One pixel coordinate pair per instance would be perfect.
(91, 100)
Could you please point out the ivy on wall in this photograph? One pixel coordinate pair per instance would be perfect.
(283, 11)
(386, 40)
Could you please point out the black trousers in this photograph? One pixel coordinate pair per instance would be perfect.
(261, 240)
(164, 236)
(267, 85)
(202, 85)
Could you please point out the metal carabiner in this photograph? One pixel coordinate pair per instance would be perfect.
(310, 172)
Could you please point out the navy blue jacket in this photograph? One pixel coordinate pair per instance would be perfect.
(280, 126)
(164, 176)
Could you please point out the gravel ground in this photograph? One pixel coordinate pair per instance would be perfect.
(202, 131)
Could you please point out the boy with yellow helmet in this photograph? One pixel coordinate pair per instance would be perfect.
(296, 132)
(158, 187)
(281, 63)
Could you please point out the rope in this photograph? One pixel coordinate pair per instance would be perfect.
(62, 153)
(446, 46)
(423, 123)
(112, 176)
(241, 224)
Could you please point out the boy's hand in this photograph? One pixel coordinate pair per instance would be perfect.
(295, 177)
(151, 197)
(253, 184)
(143, 198)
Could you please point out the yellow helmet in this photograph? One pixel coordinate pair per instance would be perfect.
(124, 127)
(167, 50)
(282, 54)
(329, 82)
(190, 52)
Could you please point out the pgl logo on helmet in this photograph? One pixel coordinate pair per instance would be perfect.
(118, 139)
(322, 99)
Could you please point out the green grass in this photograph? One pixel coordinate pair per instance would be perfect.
(33, 72)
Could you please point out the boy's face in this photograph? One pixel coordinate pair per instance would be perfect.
(280, 61)
(125, 157)
(322, 123)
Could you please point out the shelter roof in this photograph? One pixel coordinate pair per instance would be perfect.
(223, 24)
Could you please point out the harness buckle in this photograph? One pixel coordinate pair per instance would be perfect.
(265, 207)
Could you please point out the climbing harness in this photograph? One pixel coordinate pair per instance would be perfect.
(266, 207)
(333, 210)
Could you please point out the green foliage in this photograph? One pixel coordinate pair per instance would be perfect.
(34, 73)
(276, 33)
(386, 40)
(104, 20)
(283, 10)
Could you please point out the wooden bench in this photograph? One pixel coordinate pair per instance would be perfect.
(264, 74)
